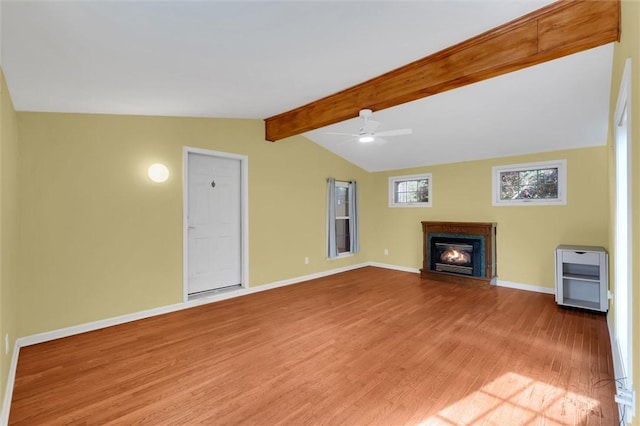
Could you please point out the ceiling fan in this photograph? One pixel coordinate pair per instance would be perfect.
(367, 133)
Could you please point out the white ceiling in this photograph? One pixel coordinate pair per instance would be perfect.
(255, 59)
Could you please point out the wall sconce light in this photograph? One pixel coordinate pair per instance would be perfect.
(158, 172)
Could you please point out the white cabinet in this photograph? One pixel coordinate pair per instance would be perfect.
(582, 277)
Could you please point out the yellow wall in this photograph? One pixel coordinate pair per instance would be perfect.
(100, 240)
(8, 229)
(629, 47)
(526, 235)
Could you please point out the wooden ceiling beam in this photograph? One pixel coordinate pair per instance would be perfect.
(559, 29)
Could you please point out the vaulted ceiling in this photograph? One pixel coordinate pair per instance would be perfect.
(257, 59)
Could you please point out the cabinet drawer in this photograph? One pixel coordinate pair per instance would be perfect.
(585, 258)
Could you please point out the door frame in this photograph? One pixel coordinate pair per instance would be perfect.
(624, 371)
(244, 212)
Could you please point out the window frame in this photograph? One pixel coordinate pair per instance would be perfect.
(561, 165)
(343, 184)
(393, 180)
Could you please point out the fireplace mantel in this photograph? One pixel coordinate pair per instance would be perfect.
(487, 230)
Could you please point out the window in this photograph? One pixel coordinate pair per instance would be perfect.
(531, 183)
(343, 238)
(410, 191)
(342, 218)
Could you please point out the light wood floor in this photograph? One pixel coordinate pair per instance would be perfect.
(369, 346)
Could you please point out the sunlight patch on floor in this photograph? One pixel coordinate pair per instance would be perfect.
(514, 399)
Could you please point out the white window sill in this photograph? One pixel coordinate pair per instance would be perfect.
(419, 205)
(340, 256)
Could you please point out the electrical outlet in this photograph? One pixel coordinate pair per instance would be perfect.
(6, 344)
(609, 295)
(306, 260)
(386, 252)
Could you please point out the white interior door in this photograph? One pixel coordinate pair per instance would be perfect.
(214, 222)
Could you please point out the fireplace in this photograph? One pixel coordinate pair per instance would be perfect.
(456, 255)
(459, 252)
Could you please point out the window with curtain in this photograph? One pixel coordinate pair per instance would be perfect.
(342, 218)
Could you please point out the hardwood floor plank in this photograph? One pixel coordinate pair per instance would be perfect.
(369, 346)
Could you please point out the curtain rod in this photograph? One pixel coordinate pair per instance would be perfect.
(348, 180)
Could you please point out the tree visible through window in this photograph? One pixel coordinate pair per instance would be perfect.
(526, 184)
(538, 183)
(410, 191)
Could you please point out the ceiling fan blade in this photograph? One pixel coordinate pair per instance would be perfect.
(341, 134)
(397, 132)
(347, 141)
(379, 141)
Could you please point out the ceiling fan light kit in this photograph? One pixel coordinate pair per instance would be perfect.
(367, 132)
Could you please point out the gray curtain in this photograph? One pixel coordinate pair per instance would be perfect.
(353, 217)
(332, 244)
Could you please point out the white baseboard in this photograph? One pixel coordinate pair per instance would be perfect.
(8, 391)
(526, 287)
(305, 278)
(96, 325)
(622, 382)
(615, 351)
(394, 267)
(499, 283)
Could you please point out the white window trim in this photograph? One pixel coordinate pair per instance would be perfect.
(392, 184)
(562, 183)
(343, 184)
